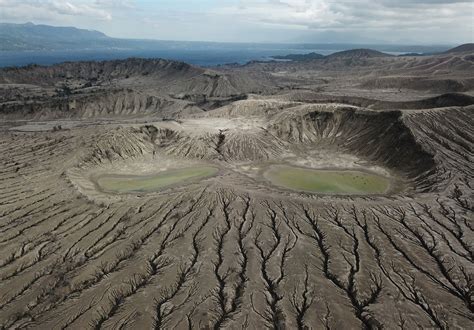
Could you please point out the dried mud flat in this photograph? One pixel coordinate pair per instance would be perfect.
(232, 250)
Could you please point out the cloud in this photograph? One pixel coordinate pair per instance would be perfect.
(346, 15)
(116, 4)
(67, 8)
(444, 21)
(43, 9)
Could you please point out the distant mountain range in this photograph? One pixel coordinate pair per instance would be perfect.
(44, 37)
(366, 53)
(31, 37)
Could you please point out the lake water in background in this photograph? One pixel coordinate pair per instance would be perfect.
(202, 54)
(196, 57)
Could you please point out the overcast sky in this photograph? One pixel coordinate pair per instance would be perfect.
(354, 21)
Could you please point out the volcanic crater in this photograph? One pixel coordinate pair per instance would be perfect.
(318, 194)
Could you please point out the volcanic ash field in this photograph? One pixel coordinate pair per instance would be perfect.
(154, 194)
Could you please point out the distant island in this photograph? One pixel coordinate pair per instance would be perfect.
(365, 53)
(299, 57)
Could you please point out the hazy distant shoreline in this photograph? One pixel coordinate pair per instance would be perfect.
(201, 54)
(23, 44)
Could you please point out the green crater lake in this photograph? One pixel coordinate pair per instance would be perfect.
(148, 183)
(348, 182)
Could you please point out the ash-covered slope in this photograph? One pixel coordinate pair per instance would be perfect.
(194, 254)
(174, 89)
(461, 48)
(157, 74)
(99, 104)
(152, 87)
(364, 70)
(440, 101)
(97, 71)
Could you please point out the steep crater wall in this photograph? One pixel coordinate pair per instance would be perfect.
(379, 137)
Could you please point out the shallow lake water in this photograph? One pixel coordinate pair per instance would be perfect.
(120, 183)
(346, 182)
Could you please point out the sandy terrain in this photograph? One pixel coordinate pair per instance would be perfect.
(233, 250)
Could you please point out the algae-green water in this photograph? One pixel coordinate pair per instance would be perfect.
(350, 182)
(148, 183)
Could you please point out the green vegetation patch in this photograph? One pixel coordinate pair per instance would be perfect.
(133, 183)
(327, 181)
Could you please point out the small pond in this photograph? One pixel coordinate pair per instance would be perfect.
(346, 182)
(120, 183)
